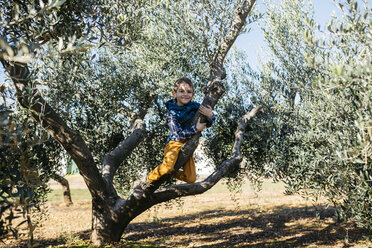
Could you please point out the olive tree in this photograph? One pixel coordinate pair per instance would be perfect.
(23, 180)
(323, 105)
(93, 74)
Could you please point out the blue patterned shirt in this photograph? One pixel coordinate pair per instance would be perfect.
(180, 132)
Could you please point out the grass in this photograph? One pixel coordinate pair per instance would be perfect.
(76, 194)
(83, 194)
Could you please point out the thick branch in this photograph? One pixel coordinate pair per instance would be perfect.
(57, 128)
(112, 160)
(180, 190)
(240, 16)
(241, 129)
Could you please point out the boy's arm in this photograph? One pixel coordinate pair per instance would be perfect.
(177, 130)
(207, 112)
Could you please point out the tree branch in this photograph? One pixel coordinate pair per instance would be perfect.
(240, 16)
(113, 159)
(180, 190)
(57, 128)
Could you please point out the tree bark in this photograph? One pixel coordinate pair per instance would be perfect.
(65, 187)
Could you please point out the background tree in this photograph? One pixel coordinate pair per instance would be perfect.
(104, 76)
(321, 95)
(23, 177)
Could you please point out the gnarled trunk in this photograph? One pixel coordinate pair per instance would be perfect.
(106, 225)
(109, 222)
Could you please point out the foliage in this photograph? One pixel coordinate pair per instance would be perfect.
(23, 182)
(239, 99)
(26, 24)
(323, 109)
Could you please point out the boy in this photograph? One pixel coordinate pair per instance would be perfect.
(181, 111)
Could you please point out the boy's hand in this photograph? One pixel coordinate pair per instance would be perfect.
(206, 111)
(200, 126)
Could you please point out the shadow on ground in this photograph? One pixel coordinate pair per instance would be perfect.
(282, 227)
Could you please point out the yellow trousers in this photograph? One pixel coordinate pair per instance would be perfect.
(171, 151)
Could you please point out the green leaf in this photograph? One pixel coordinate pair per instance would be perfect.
(58, 3)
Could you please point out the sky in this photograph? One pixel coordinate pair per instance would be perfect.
(252, 42)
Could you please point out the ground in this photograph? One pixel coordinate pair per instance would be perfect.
(217, 218)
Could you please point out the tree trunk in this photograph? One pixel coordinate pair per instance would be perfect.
(109, 222)
(106, 226)
(65, 187)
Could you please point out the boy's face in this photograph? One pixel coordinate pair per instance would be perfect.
(183, 94)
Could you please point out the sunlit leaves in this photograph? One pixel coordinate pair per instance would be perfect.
(328, 146)
(23, 187)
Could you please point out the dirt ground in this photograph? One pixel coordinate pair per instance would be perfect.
(214, 219)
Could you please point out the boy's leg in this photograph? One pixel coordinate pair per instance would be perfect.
(170, 157)
(188, 174)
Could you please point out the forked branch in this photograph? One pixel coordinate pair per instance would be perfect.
(113, 159)
(180, 190)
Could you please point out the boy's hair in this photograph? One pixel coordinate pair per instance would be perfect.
(183, 80)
